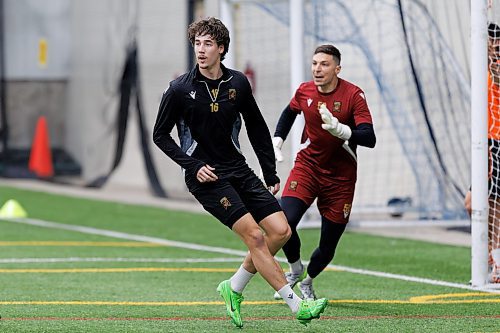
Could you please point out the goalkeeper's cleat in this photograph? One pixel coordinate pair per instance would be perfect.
(232, 300)
(292, 279)
(307, 291)
(309, 310)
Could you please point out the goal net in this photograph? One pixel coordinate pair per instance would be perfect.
(417, 90)
(494, 140)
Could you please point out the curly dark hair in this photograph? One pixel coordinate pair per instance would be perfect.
(213, 27)
(329, 49)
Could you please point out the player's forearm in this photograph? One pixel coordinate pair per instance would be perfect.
(265, 154)
(260, 139)
(285, 123)
(363, 135)
(172, 150)
(263, 148)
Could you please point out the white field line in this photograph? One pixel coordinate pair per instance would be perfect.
(80, 259)
(123, 235)
(166, 242)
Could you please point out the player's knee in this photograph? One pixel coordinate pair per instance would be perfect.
(255, 238)
(280, 234)
(286, 234)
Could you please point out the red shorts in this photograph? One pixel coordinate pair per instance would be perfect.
(335, 194)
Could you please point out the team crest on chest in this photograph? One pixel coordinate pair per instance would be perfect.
(225, 203)
(336, 106)
(309, 101)
(347, 210)
(293, 185)
(232, 94)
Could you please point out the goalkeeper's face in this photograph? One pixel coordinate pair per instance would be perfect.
(324, 71)
(207, 52)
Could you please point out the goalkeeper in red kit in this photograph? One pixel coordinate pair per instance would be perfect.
(337, 120)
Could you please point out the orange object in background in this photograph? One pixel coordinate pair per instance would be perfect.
(41, 156)
(250, 74)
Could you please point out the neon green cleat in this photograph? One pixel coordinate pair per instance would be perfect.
(310, 310)
(233, 301)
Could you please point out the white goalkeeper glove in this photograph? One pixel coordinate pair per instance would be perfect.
(277, 144)
(332, 124)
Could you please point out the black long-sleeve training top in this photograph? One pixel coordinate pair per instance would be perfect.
(207, 114)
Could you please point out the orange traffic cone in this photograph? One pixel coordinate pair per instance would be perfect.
(41, 157)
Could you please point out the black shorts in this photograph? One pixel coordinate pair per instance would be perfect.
(236, 193)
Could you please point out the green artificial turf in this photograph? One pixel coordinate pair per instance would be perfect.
(121, 295)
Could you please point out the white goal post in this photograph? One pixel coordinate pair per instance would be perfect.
(479, 143)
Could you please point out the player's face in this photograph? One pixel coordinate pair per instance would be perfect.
(324, 71)
(207, 52)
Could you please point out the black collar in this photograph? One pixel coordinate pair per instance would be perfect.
(195, 74)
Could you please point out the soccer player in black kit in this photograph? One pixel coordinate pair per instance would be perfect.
(207, 104)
